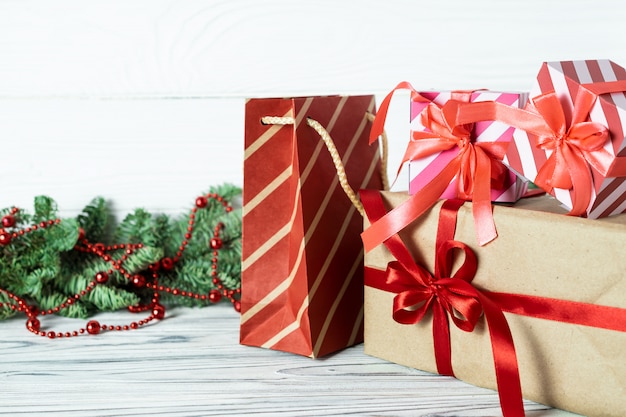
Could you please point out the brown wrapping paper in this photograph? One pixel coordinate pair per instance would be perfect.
(572, 367)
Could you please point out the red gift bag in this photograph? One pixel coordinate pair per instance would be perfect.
(302, 257)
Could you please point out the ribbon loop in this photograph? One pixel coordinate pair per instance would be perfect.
(450, 295)
(417, 290)
(477, 166)
(574, 147)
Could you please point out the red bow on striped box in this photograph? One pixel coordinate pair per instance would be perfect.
(302, 267)
(580, 155)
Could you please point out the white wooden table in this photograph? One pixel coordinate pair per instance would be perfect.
(142, 102)
(191, 364)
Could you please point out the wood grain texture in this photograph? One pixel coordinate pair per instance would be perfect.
(154, 153)
(142, 102)
(279, 47)
(191, 364)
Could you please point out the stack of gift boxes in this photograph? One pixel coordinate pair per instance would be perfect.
(473, 272)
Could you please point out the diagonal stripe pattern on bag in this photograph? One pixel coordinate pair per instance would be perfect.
(302, 268)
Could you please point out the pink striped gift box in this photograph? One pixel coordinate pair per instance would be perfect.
(566, 80)
(422, 171)
(302, 255)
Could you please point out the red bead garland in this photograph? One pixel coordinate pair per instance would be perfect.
(157, 310)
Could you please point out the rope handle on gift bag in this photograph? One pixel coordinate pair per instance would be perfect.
(334, 153)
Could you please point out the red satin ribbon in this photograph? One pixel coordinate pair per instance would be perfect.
(451, 294)
(576, 147)
(477, 166)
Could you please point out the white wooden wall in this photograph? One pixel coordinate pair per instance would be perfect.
(142, 101)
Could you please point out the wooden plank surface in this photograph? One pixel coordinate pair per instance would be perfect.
(246, 47)
(142, 102)
(191, 364)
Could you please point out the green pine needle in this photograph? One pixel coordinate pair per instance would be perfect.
(42, 266)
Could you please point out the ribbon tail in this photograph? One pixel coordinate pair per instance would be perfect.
(505, 360)
(441, 339)
(381, 115)
(481, 202)
(375, 210)
(378, 125)
(404, 214)
(582, 183)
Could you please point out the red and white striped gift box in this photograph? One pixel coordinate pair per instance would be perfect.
(302, 266)
(422, 171)
(565, 78)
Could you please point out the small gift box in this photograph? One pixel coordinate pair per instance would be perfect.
(505, 185)
(540, 312)
(580, 154)
(457, 148)
(302, 257)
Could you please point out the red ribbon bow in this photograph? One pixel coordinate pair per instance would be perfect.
(477, 166)
(575, 148)
(479, 163)
(453, 295)
(449, 295)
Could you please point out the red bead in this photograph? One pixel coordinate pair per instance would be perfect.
(137, 308)
(5, 238)
(158, 311)
(8, 221)
(201, 202)
(32, 311)
(167, 264)
(139, 281)
(237, 306)
(81, 234)
(33, 325)
(93, 327)
(155, 267)
(216, 243)
(102, 277)
(215, 296)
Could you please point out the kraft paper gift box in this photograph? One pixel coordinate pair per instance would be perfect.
(538, 253)
(580, 159)
(302, 257)
(506, 186)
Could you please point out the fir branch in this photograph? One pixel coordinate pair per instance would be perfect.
(41, 266)
(75, 310)
(105, 298)
(94, 219)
